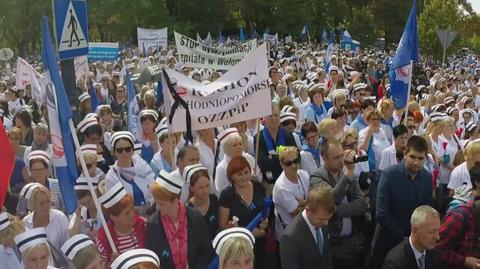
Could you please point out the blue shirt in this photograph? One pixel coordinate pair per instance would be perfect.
(359, 123)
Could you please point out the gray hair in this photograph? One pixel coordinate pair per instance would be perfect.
(421, 213)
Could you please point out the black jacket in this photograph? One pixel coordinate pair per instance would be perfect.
(402, 257)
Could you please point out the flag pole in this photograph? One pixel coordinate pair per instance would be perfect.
(81, 157)
(257, 145)
(408, 92)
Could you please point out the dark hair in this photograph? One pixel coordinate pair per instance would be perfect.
(366, 103)
(183, 151)
(197, 175)
(93, 130)
(4, 106)
(409, 115)
(309, 127)
(82, 193)
(475, 176)
(124, 139)
(25, 117)
(147, 117)
(418, 144)
(337, 113)
(399, 130)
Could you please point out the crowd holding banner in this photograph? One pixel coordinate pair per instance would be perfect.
(212, 154)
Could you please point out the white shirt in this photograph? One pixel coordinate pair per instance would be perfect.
(450, 150)
(308, 163)
(285, 194)
(302, 106)
(157, 161)
(15, 106)
(86, 223)
(311, 227)
(389, 157)
(221, 179)
(141, 173)
(417, 253)
(9, 258)
(388, 130)
(380, 143)
(459, 176)
(57, 228)
(207, 157)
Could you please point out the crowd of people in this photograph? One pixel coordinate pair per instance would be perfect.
(340, 176)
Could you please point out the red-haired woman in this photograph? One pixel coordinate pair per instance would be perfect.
(126, 227)
(241, 202)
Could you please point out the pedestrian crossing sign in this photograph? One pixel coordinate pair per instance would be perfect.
(71, 28)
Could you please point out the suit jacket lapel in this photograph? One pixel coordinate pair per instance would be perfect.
(412, 261)
(305, 229)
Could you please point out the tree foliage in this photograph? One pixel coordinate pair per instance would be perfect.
(116, 20)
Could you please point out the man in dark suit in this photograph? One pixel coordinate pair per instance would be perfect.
(418, 251)
(402, 188)
(304, 244)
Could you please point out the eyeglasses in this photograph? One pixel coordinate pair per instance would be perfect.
(411, 127)
(125, 149)
(351, 145)
(289, 163)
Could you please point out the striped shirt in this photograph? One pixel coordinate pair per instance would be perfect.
(124, 243)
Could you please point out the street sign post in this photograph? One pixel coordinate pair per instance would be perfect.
(71, 28)
(446, 38)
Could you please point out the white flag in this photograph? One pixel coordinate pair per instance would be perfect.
(25, 75)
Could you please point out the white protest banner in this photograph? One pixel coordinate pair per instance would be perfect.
(152, 38)
(272, 39)
(195, 54)
(243, 93)
(27, 75)
(81, 67)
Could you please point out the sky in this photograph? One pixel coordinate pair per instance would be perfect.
(475, 5)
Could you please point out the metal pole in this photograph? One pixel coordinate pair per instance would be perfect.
(444, 50)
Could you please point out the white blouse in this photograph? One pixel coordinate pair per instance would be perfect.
(57, 228)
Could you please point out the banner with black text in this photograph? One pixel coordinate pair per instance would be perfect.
(192, 53)
(243, 93)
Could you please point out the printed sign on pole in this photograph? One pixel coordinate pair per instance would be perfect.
(71, 28)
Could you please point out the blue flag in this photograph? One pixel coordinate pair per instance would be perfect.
(329, 53)
(346, 37)
(133, 109)
(159, 93)
(242, 35)
(59, 112)
(93, 95)
(324, 35)
(144, 50)
(401, 69)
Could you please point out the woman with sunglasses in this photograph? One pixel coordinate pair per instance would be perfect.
(290, 190)
(241, 202)
(39, 164)
(130, 169)
(373, 140)
(311, 158)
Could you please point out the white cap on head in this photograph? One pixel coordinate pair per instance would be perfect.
(286, 113)
(227, 132)
(121, 134)
(39, 155)
(31, 238)
(172, 184)
(87, 149)
(133, 257)
(87, 122)
(28, 189)
(149, 112)
(84, 96)
(437, 116)
(161, 130)
(359, 86)
(470, 126)
(82, 184)
(190, 170)
(113, 195)
(4, 221)
(75, 244)
(224, 235)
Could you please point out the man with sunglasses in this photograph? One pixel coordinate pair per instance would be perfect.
(339, 173)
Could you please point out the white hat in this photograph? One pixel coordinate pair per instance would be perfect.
(39, 155)
(287, 114)
(469, 111)
(84, 96)
(333, 68)
(225, 133)
(1, 112)
(449, 100)
(4, 221)
(470, 126)
(75, 244)
(121, 134)
(172, 184)
(163, 121)
(133, 257)
(161, 129)
(87, 149)
(82, 184)
(150, 112)
(224, 235)
(31, 238)
(451, 109)
(87, 122)
(436, 116)
(113, 195)
(190, 170)
(359, 86)
(28, 189)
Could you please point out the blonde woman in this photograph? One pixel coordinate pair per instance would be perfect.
(82, 252)
(234, 247)
(137, 259)
(34, 249)
(10, 226)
